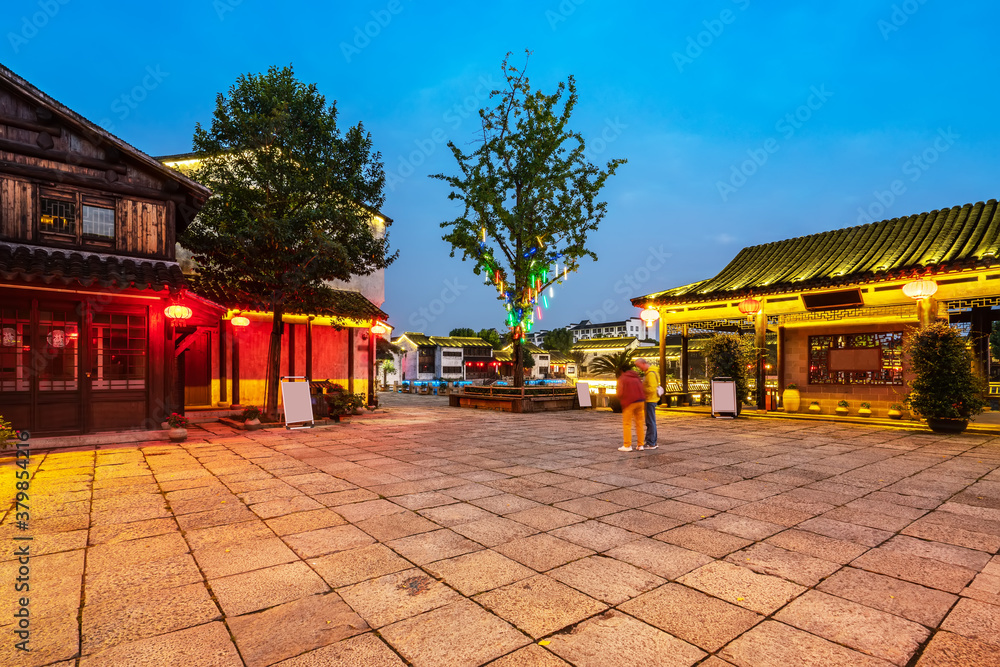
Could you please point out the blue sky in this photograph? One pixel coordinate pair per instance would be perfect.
(743, 122)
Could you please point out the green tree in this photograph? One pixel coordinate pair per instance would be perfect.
(291, 192)
(995, 341)
(560, 340)
(492, 337)
(387, 367)
(463, 332)
(944, 385)
(530, 197)
(732, 356)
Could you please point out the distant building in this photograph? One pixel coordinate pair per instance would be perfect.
(444, 357)
(630, 328)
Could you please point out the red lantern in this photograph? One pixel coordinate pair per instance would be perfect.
(920, 289)
(178, 312)
(749, 307)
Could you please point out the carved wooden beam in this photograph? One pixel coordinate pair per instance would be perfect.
(28, 125)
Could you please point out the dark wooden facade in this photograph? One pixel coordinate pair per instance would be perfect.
(87, 265)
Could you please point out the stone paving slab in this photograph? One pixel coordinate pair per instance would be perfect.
(469, 537)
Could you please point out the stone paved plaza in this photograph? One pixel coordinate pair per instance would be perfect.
(429, 535)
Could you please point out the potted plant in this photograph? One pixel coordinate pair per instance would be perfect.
(177, 427)
(842, 406)
(896, 411)
(7, 433)
(357, 402)
(729, 355)
(814, 407)
(251, 417)
(790, 398)
(866, 410)
(946, 392)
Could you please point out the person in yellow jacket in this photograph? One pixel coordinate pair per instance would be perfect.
(650, 384)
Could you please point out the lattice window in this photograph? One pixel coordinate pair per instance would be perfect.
(98, 222)
(450, 353)
(863, 358)
(425, 360)
(58, 216)
(15, 349)
(57, 355)
(119, 351)
(451, 370)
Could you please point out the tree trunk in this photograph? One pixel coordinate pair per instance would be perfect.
(518, 350)
(273, 365)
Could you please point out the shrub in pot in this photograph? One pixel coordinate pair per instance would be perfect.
(945, 391)
(814, 407)
(842, 407)
(251, 417)
(730, 355)
(896, 411)
(177, 427)
(791, 399)
(866, 410)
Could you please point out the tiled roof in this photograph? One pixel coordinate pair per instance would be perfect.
(597, 325)
(417, 339)
(458, 341)
(557, 357)
(950, 239)
(603, 344)
(68, 267)
(325, 302)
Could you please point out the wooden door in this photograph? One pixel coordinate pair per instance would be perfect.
(198, 372)
(56, 363)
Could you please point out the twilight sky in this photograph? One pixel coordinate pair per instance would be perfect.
(743, 122)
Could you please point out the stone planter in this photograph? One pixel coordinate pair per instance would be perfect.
(791, 399)
(177, 434)
(251, 424)
(895, 414)
(814, 408)
(842, 411)
(941, 425)
(864, 412)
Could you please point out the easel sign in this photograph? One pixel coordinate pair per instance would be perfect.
(297, 402)
(583, 393)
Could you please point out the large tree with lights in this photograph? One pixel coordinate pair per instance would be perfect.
(293, 200)
(530, 197)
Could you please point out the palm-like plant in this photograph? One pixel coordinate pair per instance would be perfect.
(615, 363)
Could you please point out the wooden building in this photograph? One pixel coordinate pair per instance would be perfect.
(87, 267)
(832, 306)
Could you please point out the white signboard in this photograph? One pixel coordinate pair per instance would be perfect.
(583, 393)
(297, 402)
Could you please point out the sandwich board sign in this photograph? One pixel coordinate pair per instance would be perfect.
(297, 402)
(583, 393)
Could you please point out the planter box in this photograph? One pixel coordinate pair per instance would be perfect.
(508, 399)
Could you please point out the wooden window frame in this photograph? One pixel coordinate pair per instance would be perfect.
(78, 239)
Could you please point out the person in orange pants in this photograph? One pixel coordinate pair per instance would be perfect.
(633, 399)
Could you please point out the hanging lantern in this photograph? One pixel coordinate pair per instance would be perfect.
(649, 315)
(378, 328)
(9, 337)
(749, 307)
(920, 289)
(240, 321)
(178, 312)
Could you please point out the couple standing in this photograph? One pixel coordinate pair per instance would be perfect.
(638, 396)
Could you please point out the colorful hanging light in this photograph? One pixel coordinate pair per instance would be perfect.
(920, 289)
(178, 312)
